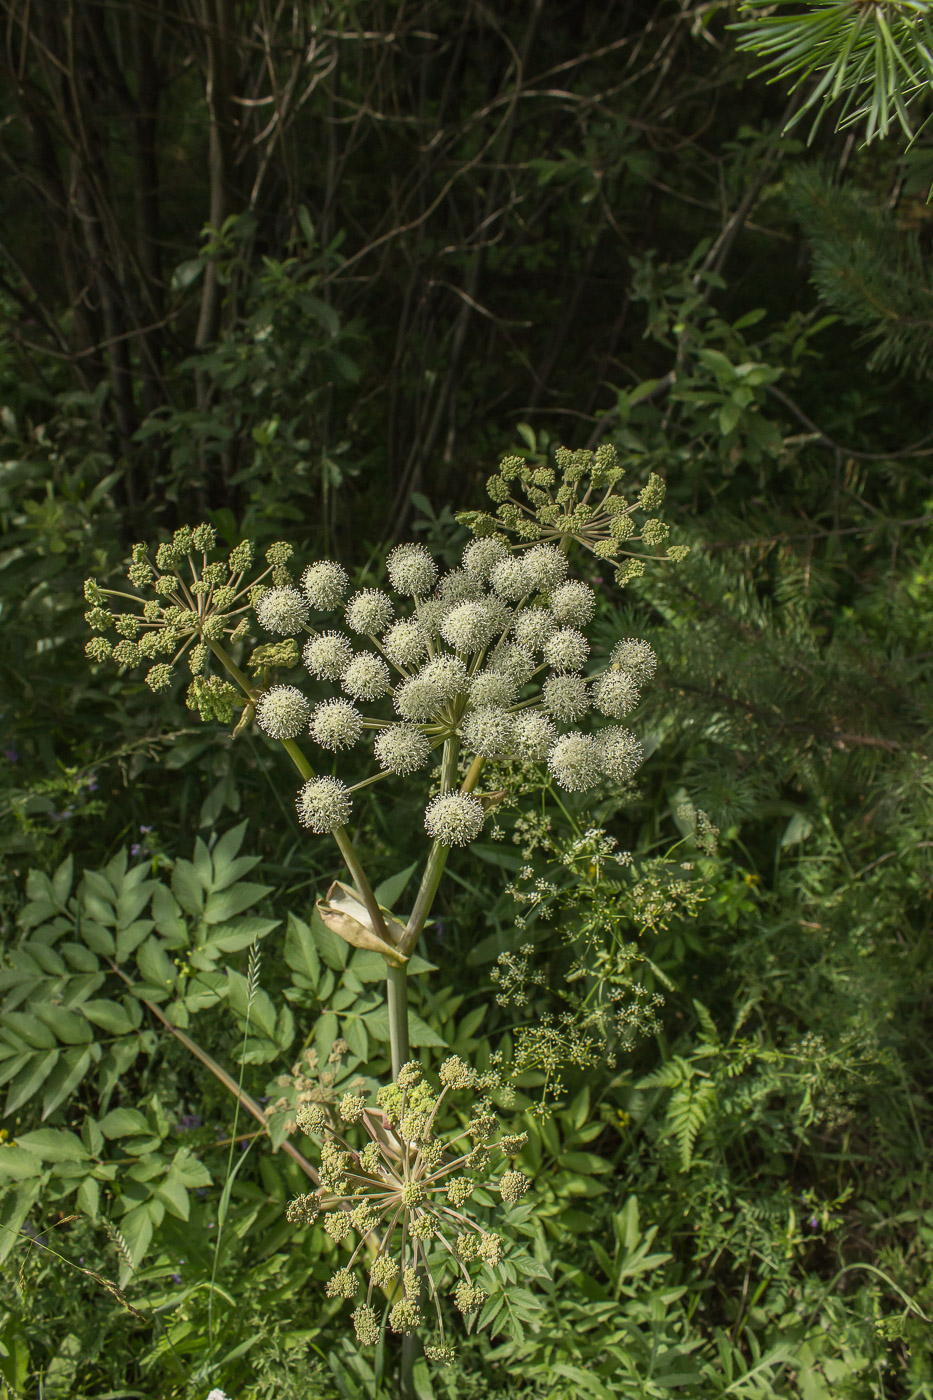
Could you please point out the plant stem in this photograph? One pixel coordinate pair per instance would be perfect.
(434, 868)
(397, 997)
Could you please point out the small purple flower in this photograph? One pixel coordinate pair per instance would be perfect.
(29, 1230)
(243, 1144)
(92, 783)
(136, 849)
(188, 1123)
(176, 1278)
(440, 930)
(200, 1192)
(264, 1098)
(145, 830)
(11, 755)
(814, 1223)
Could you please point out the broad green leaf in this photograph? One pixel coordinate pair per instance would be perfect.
(123, 1122)
(238, 933)
(14, 1208)
(262, 1010)
(155, 965)
(16, 1163)
(67, 1026)
(171, 1192)
(189, 1169)
(97, 938)
(65, 1077)
(136, 1228)
(62, 881)
(129, 938)
(109, 1015)
(389, 891)
(89, 1197)
(54, 1145)
(301, 953)
(30, 1077)
(226, 904)
(166, 914)
(187, 888)
(28, 1029)
(91, 1136)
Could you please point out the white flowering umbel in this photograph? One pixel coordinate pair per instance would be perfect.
(393, 1194)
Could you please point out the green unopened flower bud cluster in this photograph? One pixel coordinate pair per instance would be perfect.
(398, 1203)
(577, 499)
(183, 604)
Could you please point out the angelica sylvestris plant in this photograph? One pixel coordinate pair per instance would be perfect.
(486, 662)
(402, 1193)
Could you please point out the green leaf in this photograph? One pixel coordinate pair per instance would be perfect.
(68, 1026)
(65, 1077)
(54, 1145)
(29, 1029)
(155, 965)
(166, 913)
(729, 415)
(109, 1015)
(187, 888)
(390, 889)
(300, 951)
(262, 1010)
(136, 1228)
(16, 1163)
(89, 1197)
(62, 881)
(30, 1077)
(226, 904)
(123, 1122)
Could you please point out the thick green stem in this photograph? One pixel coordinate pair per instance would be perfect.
(397, 994)
(436, 860)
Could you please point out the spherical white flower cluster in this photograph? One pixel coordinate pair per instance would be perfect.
(283, 711)
(282, 610)
(324, 804)
(454, 818)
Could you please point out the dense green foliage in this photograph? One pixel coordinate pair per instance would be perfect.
(470, 232)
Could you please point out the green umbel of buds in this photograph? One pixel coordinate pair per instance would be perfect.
(578, 499)
(397, 1190)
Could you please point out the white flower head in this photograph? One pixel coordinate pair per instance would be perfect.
(327, 655)
(454, 818)
(493, 688)
(573, 604)
(636, 657)
(366, 677)
(370, 611)
(481, 556)
(510, 578)
(532, 627)
(324, 804)
(470, 626)
(534, 735)
(513, 661)
(448, 673)
(282, 610)
(336, 724)
(459, 587)
(616, 693)
(402, 749)
(419, 699)
(621, 753)
(566, 697)
(489, 731)
(324, 584)
(282, 712)
(566, 649)
(574, 760)
(546, 567)
(405, 643)
(412, 571)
